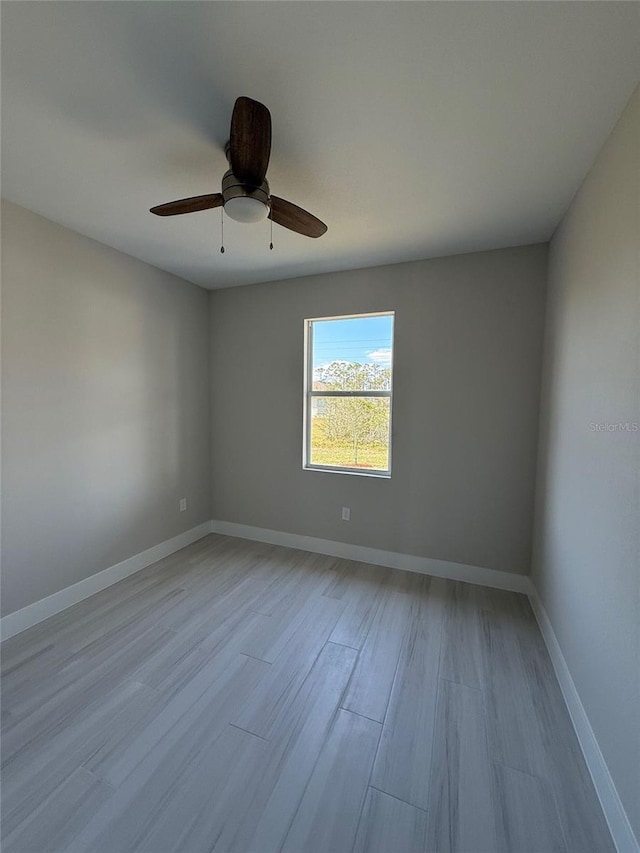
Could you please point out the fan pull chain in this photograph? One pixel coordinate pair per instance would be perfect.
(222, 230)
(271, 227)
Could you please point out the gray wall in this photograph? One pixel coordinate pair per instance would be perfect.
(587, 540)
(468, 339)
(105, 418)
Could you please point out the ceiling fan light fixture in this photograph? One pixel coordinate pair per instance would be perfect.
(246, 209)
(242, 202)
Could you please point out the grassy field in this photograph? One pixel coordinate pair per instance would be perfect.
(325, 452)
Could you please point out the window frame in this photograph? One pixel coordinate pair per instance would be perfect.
(309, 394)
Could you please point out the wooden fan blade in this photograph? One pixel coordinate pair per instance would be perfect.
(295, 218)
(188, 205)
(250, 141)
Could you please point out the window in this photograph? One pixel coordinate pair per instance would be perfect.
(348, 382)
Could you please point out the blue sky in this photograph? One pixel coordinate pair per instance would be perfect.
(361, 339)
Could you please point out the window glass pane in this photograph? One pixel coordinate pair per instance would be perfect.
(352, 354)
(350, 432)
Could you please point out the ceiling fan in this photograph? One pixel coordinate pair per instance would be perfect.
(245, 192)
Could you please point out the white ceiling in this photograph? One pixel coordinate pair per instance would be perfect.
(412, 129)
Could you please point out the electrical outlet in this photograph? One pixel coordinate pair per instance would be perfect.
(346, 513)
(183, 504)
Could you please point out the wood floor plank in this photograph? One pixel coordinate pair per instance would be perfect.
(389, 825)
(563, 765)
(328, 815)
(526, 819)
(153, 768)
(76, 699)
(360, 586)
(216, 615)
(204, 807)
(404, 757)
(273, 634)
(462, 641)
(271, 784)
(189, 650)
(510, 604)
(300, 572)
(528, 722)
(344, 579)
(210, 701)
(370, 686)
(28, 783)
(233, 587)
(514, 736)
(55, 824)
(65, 666)
(268, 800)
(460, 808)
(286, 675)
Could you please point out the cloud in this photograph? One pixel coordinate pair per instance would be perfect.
(381, 356)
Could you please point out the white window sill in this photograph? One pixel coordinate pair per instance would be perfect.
(354, 472)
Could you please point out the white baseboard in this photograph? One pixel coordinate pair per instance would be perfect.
(615, 815)
(362, 554)
(20, 620)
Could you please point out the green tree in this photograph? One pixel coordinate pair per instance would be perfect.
(355, 420)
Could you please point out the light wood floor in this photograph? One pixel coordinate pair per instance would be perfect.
(242, 697)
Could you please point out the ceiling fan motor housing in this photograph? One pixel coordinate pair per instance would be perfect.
(244, 202)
